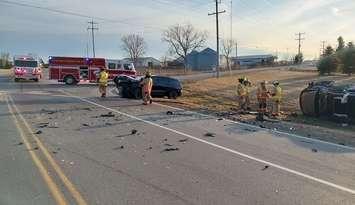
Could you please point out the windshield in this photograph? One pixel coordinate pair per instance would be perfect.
(20, 63)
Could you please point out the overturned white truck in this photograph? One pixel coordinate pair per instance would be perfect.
(326, 99)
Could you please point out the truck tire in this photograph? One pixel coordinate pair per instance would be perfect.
(17, 79)
(70, 80)
(36, 79)
(172, 94)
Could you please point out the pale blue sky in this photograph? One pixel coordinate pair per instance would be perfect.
(260, 26)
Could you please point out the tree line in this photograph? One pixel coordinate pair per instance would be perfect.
(341, 59)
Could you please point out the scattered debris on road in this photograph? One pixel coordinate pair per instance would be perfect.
(43, 125)
(19, 144)
(265, 168)
(149, 148)
(169, 113)
(165, 140)
(54, 152)
(110, 114)
(118, 148)
(184, 140)
(134, 131)
(314, 150)
(87, 109)
(38, 132)
(170, 149)
(85, 125)
(210, 134)
(169, 145)
(49, 112)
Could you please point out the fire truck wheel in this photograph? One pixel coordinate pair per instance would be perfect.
(17, 79)
(69, 80)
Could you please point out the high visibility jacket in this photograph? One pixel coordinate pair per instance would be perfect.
(103, 78)
(147, 85)
(241, 90)
(277, 93)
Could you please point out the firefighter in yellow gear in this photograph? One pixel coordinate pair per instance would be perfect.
(103, 80)
(276, 98)
(241, 94)
(247, 85)
(147, 85)
(262, 95)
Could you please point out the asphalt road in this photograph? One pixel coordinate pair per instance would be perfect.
(88, 153)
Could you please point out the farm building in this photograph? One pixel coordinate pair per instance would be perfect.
(146, 62)
(203, 60)
(253, 60)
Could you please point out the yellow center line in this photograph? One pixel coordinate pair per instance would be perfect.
(70, 186)
(57, 194)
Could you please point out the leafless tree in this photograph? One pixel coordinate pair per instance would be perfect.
(183, 39)
(134, 45)
(227, 48)
(5, 60)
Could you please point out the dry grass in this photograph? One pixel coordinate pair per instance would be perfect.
(219, 94)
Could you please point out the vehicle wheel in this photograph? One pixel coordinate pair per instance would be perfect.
(36, 79)
(69, 80)
(17, 79)
(172, 94)
(137, 93)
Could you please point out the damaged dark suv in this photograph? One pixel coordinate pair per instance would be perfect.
(129, 87)
(326, 98)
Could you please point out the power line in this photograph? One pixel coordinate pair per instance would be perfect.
(216, 13)
(92, 28)
(300, 39)
(123, 21)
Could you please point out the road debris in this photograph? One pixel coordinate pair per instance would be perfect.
(184, 140)
(19, 144)
(43, 125)
(169, 113)
(110, 114)
(209, 134)
(165, 140)
(54, 152)
(265, 168)
(220, 119)
(170, 149)
(38, 132)
(314, 150)
(134, 131)
(87, 109)
(118, 148)
(169, 145)
(149, 148)
(49, 112)
(85, 125)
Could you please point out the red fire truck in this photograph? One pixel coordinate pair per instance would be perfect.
(72, 70)
(27, 67)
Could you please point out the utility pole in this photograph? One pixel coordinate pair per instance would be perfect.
(299, 39)
(323, 47)
(92, 28)
(217, 12)
(231, 13)
(236, 49)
